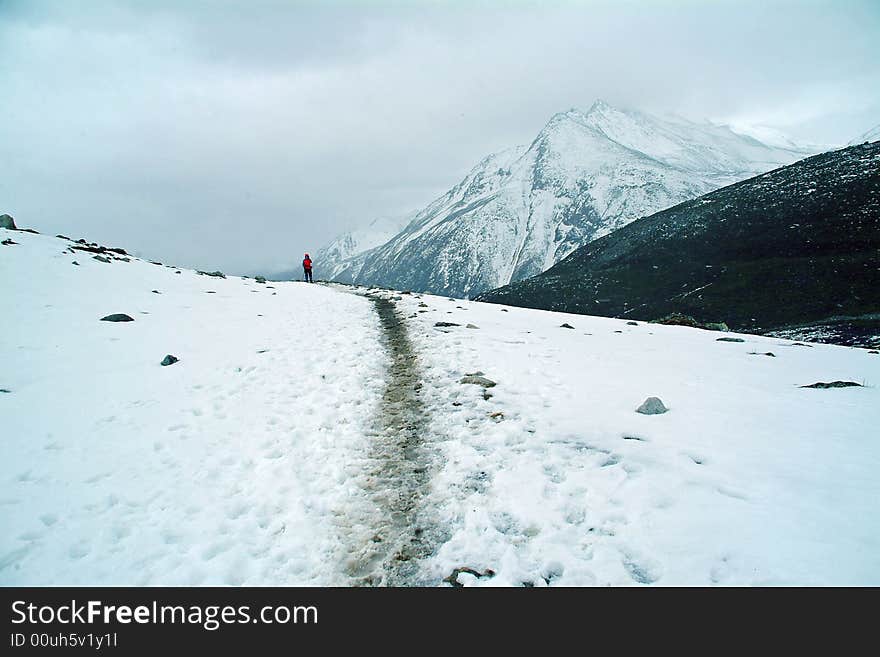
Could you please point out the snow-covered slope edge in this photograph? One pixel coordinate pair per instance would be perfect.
(232, 466)
(552, 478)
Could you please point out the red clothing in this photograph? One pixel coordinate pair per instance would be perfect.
(307, 263)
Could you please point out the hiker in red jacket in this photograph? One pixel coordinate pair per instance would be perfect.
(307, 268)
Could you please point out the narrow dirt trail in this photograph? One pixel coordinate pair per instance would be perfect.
(400, 466)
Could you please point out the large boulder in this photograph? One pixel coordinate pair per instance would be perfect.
(6, 221)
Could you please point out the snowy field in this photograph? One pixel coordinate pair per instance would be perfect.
(252, 459)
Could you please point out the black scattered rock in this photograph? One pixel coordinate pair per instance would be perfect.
(156, 292)
(453, 577)
(215, 274)
(478, 380)
(632, 323)
(729, 340)
(155, 262)
(169, 360)
(874, 351)
(63, 237)
(177, 272)
(766, 353)
(652, 406)
(422, 304)
(5, 390)
(446, 324)
(833, 384)
(117, 317)
(566, 326)
(504, 310)
(6, 221)
(75, 263)
(8, 242)
(101, 258)
(210, 292)
(28, 230)
(259, 279)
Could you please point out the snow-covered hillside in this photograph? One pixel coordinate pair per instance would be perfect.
(338, 260)
(273, 452)
(586, 174)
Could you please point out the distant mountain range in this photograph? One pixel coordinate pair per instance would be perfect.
(520, 211)
(795, 251)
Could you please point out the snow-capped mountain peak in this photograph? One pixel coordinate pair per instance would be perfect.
(521, 210)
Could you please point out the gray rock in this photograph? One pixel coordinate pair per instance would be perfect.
(834, 384)
(117, 317)
(259, 279)
(446, 324)
(169, 360)
(101, 258)
(478, 381)
(632, 323)
(729, 340)
(652, 406)
(215, 274)
(6, 221)
(566, 326)
(472, 326)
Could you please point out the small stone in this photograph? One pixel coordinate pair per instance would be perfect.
(729, 340)
(156, 292)
(101, 258)
(117, 317)
(169, 360)
(5, 390)
(472, 326)
(260, 279)
(422, 304)
(504, 310)
(445, 324)
(478, 381)
(76, 263)
(8, 242)
(834, 384)
(566, 326)
(652, 406)
(632, 323)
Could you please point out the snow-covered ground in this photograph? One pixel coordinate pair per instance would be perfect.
(253, 459)
(233, 466)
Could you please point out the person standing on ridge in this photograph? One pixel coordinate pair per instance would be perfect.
(307, 268)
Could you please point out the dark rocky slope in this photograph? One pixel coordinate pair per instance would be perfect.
(796, 247)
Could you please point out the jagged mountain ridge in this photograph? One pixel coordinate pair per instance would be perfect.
(586, 174)
(795, 248)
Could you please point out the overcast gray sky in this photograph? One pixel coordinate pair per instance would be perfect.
(237, 135)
